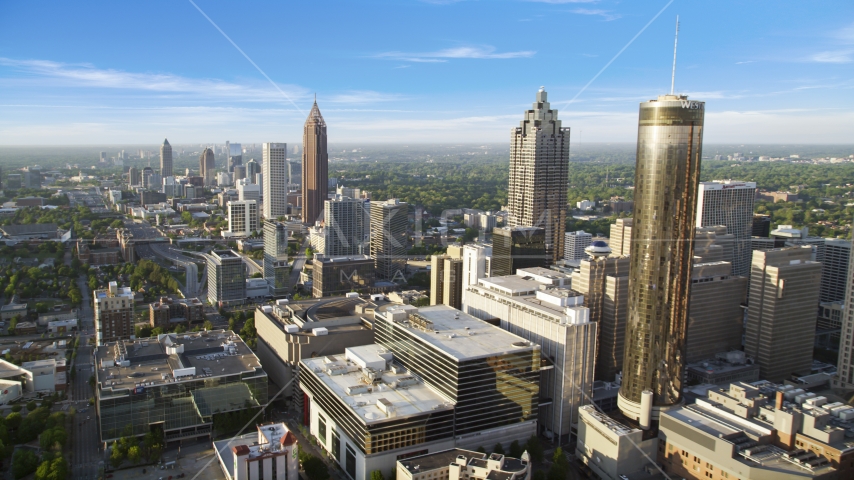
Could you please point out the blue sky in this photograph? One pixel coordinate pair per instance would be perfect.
(406, 71)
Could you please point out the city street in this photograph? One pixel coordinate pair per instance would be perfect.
(86, 445)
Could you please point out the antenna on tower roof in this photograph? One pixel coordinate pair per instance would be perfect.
(675, 43)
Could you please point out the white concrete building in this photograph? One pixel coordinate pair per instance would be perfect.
(242, 218)
(575, 243)
(274, 179)
(246, 190)
(536, 305)
(459, 464)
(477, 264)
(269, 454)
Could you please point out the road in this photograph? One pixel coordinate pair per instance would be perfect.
(299, 262)
(86, 446)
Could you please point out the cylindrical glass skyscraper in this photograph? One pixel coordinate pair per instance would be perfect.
(670, 138)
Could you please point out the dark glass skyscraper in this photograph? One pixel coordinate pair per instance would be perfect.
(315, 167)
(670, 138)
(518, 247)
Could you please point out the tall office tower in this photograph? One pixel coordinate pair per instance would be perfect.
(252, 169)
(446, 279)
(539, 173)
(347, 225)
(388, 237)
(535, 305)
(275, 180)
(670, 139)
(147, 172)
(603, 279)
(165, 159)
(239, 172)
(113, 313)
(477, 263)
(276, 257)
(191, 276)
(235, 156)
(242, 218)
(575, 243)
(834, 269)
(226, 278)
(315, 167)
(730, 203)
(223, 179)
(294, 174)
(102, 158)
(621, 236)
(168, 186)
(845, 377)
(248, 191)
(518, 247)
(784, 290)
(207, 166)
(134, 177)
(715, 314)
(761, 226)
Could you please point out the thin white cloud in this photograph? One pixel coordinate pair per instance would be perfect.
(745, 62)
(834, 56)
(482, 52)
(161, 84)
(605, 14)
(87, 75)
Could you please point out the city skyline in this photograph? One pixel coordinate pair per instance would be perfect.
(460, 81)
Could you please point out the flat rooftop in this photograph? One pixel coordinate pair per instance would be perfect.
(343, 259)
(524, 290)
(460, 335)
(171, 358)
(404, 393)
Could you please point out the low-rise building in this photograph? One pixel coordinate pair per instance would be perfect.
(26, 328)
(268, 454)
(725, 367)
(289, 333)
(458, 464)
(168, 312)
(59, 313)
(417, 390)
(45, 375)
(62, 326)
(175, 383)
(756, 431)
(8, 312)
(339, 275)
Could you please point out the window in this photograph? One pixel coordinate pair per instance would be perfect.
(350, 466)
(321, 428)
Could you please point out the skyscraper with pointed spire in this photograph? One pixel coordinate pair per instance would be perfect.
(165, 159)
(539, 171)
(315, 166)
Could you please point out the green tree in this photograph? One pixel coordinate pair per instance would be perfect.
(208, 325)
(498, 448)
(535, 448)
(13, 420)
(315, 469)
(24, 462)
(377, 475)
(516, 450)
(116, 456)
(134, 454)
(31, 405)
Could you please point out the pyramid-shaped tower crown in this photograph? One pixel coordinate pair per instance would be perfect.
(165, 142)
(314, 116)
